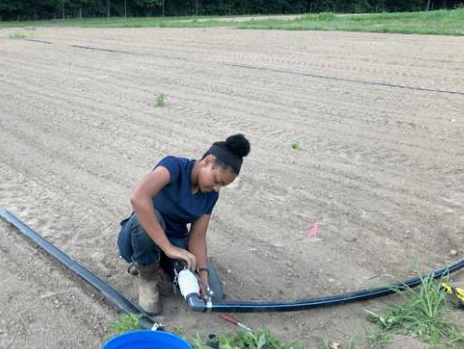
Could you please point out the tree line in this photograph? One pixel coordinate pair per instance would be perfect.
(52, 9)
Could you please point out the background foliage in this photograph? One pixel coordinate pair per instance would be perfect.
(51, 9)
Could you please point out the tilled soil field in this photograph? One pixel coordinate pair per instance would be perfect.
(379, 164)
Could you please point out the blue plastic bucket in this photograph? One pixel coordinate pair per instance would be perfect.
(146, 339)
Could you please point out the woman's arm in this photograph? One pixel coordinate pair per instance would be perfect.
(197, 243)
(142, 203)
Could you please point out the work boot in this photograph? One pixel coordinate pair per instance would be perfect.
(149, 297)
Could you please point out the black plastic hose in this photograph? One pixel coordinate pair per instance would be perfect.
(196, 303)
(101, 286)
(239, 306)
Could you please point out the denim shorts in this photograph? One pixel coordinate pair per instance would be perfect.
(135, 245)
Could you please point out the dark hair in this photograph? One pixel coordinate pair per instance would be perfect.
(237, 145)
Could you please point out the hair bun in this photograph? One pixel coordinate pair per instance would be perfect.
(238, 145)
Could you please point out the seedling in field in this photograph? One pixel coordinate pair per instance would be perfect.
(127, 322)
(178, 330)
(246, 339)
(295, 145)
(378, 340)
(18, 35)
(160, 97)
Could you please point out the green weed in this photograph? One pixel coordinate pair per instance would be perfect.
(160, 99)
(378, 340)
(18, 35)
(424, 314)
(178, 330)
(325, 342)
(127, 322)
(246, 340)
(352, 343)
(295, 145)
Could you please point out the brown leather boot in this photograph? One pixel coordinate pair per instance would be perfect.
(149, 297)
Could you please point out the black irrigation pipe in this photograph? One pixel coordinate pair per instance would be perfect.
(283, 71)
(228, 306)
(108, 50)
(41, 41)
(357, 81)
(239, 306)
(274, 70)
(101, 286)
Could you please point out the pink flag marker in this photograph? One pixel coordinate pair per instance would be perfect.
(313, 230)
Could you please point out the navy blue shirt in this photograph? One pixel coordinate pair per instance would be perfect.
(176, 203)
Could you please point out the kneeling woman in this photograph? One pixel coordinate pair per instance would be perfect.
(177, 192)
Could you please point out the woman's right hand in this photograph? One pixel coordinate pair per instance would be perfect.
(175, 252)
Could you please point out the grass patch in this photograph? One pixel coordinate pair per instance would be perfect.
(18, 35)
(130, 22)
(378, 340)
(424, 314)
(443, 22)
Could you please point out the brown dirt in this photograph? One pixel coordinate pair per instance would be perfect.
(380, 167)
